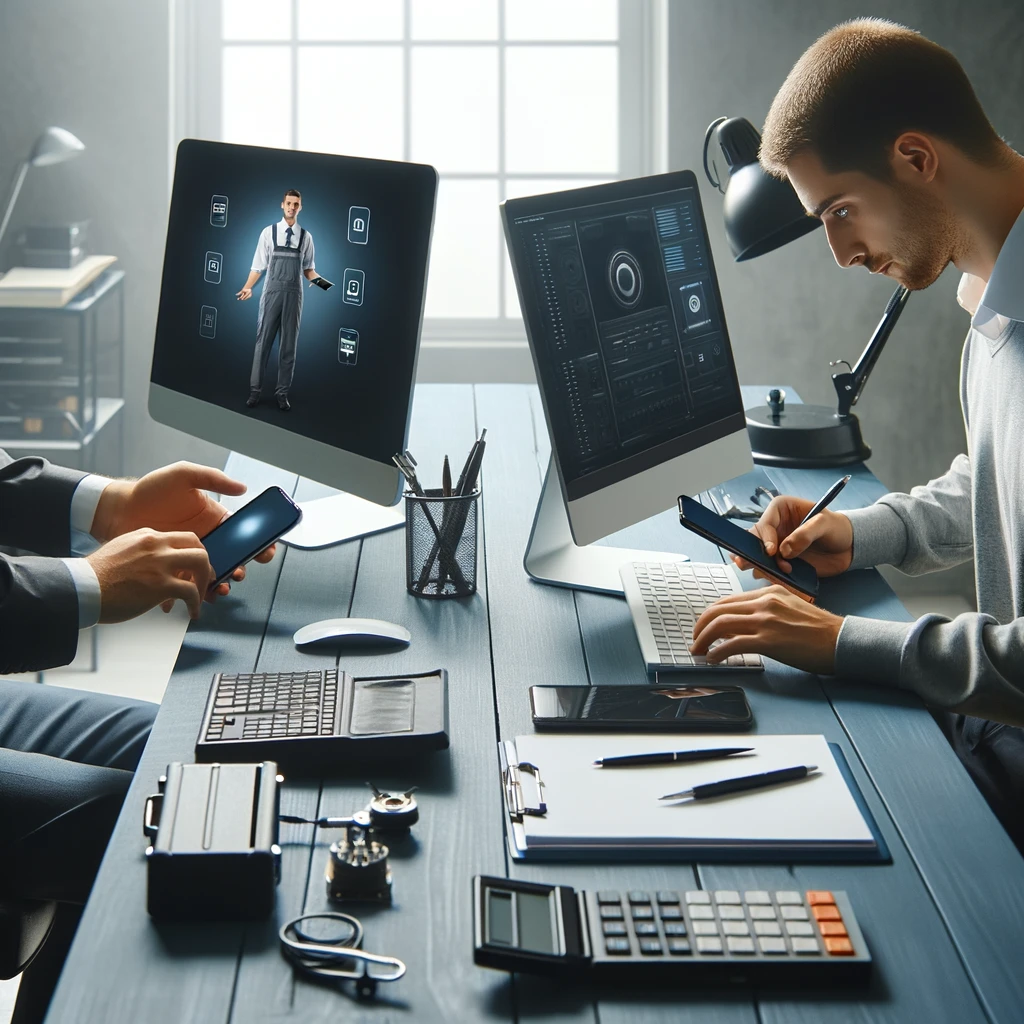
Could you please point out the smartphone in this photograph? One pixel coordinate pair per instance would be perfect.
(715, 528)
(674, 708)
(248, 531)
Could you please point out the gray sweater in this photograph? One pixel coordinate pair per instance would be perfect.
(973, 664)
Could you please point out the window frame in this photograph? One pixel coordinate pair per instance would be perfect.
(452, 348)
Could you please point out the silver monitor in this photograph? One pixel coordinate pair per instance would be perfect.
(628, 335)
(291, 306)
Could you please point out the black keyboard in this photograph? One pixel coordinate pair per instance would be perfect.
(313, 721)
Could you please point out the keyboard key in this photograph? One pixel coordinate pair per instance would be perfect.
(788, 896)
(802, 928)
(643, 913)
(793, 913)
(608, 896)
(675, 928)
(707, 944)
(836, 929)
(616, 947)
(772, 946)
(826, 912)
(614, 928)
(705, 928)
(698, 896)
(727, 896)
(678, 947)
(767, 928)
(611, 913)
(701, 913)
(758, 896)
(650, 946)
(815, 896)
(735, 928)
(645, 928)
(730, 913)
(759, 913)
(670, 913)
(637, 896)
(806, 947)
(839, 947)
(668, 896)
(740, 945)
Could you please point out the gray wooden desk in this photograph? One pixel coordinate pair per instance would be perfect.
(945, 920)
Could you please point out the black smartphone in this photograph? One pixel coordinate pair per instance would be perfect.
(676, 708)
(248, 531)
(715, 528)
(322, 282)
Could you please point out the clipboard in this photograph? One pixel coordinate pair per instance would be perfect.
(527, 797)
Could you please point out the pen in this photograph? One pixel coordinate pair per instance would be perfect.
(826, 499)
(672, 757)
(470, 471)
(446, 479)
(743, 783)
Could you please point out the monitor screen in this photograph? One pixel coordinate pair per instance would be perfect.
(625, 321)
(298, 276)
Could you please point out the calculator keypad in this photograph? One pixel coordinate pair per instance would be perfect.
(720, 924)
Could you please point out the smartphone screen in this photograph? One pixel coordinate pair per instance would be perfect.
(252, 528)
(640, 707)
(694, 516)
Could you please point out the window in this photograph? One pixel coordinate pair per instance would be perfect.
(504, 97)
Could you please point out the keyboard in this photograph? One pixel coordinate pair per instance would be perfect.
(314, 720)
(666, 599)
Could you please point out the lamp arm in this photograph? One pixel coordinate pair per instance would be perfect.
(19, 179)
(850, 385)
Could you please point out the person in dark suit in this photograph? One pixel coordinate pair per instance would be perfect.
(67, 757)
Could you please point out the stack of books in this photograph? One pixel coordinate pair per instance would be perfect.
(50, 287)
(54, 245)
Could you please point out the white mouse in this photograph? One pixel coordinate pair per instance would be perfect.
(351, 632)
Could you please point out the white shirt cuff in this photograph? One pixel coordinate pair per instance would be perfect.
(87, 587)
(85, 500)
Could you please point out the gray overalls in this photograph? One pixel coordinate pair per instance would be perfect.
(280, 309)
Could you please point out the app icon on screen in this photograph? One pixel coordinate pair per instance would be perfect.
(208, 322)
(219, 211)
(352, 288)
(359, 224)
(212, 267)
(348, 346)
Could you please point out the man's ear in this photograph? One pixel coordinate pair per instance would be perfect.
(914, 156)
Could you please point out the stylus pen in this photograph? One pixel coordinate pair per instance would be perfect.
(743, 783)
(826, 499)
(672, 757)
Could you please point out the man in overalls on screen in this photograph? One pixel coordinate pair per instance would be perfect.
(285, 252)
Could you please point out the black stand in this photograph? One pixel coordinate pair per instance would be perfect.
(815, 436)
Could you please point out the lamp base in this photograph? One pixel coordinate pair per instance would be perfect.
(805, 437)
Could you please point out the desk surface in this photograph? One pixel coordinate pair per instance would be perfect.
(944, 920)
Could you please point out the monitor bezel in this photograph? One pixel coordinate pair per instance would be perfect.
(348, 471)
(650, 458)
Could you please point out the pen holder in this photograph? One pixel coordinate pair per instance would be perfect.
(440, 544)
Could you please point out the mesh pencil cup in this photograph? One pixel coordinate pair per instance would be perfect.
(440, 544)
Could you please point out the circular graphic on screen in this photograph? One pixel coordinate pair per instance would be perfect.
(625, 279)
(572, 268)
(694, 302)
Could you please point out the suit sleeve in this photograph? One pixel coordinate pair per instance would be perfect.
(38, 614)
(35, 504)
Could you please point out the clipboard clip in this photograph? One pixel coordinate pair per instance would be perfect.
(524, 791)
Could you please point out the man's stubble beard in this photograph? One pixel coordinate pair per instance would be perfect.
(928, 240)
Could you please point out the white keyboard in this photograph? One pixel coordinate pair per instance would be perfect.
(666, 599)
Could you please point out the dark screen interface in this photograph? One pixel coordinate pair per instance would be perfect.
(245, 533)
(639, 704)
(625, 325)
(345, 357)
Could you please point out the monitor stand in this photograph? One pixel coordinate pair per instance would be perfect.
(340, 517)
(553, 557)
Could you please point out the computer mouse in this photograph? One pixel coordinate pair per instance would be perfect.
(351, 633)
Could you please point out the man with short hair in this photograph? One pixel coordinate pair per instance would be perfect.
(882, 136)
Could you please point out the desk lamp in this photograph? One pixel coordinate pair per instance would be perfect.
(761, 213)
(54, 146)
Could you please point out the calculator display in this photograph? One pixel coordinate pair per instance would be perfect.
(521, 920)
(641, 706)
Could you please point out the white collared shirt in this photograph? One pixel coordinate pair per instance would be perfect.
(265, 246)
(993, 305)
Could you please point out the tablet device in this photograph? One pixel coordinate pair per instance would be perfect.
(715, 528)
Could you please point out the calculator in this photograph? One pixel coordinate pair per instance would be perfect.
(760, 937)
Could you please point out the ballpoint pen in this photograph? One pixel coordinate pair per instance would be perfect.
(826, 499)
(743, 783)
(670, 757)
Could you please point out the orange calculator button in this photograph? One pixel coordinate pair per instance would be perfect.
(834, 928)
(826, 912)
(816, 896)
(839, 947)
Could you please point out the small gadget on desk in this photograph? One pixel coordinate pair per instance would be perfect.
(315, 721)
(247, 532)
(670, 708)
(352, 633)
(759, 937)
(665, 601)
(705, 523)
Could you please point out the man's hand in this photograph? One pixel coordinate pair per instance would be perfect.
(243, 294)
(142, 569)
(826, 541)
(170, 500)
(771, 621)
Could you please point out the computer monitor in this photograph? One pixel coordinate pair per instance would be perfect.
(625, 322)
(317, 380)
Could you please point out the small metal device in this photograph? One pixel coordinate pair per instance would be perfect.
(357, 868)
(393, 811)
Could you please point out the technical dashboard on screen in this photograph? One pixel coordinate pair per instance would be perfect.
(622, 307)
(242, 315)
